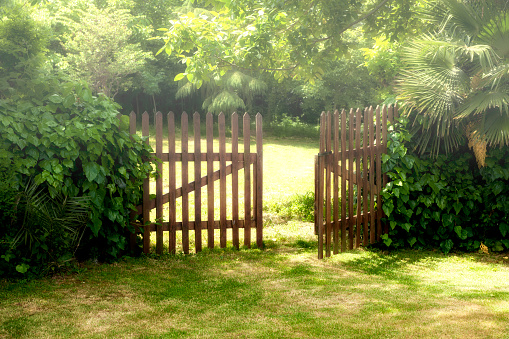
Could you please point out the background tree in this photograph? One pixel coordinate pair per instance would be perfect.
(99, 50)
(291, 38)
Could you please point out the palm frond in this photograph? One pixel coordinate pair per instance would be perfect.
(482, 102)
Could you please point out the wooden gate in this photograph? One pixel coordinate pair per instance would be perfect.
(218, 164)
(348, 178)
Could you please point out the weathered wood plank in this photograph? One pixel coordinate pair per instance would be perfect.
(259, 181)
(235, 166)
(210, 183)
(247, 180)
(185, 180)
(222, 180)
(172, 199)
(335, 169)
(358, 167)
(343, 181)
(197, 187)
(365, 179)
(159, 182)
(351, 165)
(371, 130)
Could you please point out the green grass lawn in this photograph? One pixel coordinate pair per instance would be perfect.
(282, 291)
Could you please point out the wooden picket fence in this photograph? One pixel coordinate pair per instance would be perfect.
(348, 178)
(234, 163)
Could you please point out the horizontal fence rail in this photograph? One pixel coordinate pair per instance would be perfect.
(206, 166)
(348, 178)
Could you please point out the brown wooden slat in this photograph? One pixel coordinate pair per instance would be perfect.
(320, 197)
(378, 178)
(358, 177)
(210, 183)
(259, 181)
(343, 181)
(235, 180)
(204, 224)
(172, 199)
(351, 119)
(222, 181)
(328, 229)
(390, 114)
(365, 180)
(197, 188)
(204, 156)
(190, 186)
(159, 182)
(372, 227)
(336, 171)
(247, 180)
(146, 187)
(185, 179)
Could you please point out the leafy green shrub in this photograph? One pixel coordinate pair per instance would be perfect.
(446, 202)
(287, 126)
(298, 206)
(70, 143)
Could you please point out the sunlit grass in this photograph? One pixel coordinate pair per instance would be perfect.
(282, 291)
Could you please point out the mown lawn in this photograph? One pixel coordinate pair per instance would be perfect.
(282, 291)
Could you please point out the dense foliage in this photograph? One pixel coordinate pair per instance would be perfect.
(454, 80)
(70, 173)
(446, 202)
(70, 144)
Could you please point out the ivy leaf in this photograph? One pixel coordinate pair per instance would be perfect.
(504, 228)
(55, 98)
(457, 207)
(446, 245)
(406, 226)
(386, 239)
(91, 170)
(412, 241)
(388, 207)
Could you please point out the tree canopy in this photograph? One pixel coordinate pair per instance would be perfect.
(288, 38)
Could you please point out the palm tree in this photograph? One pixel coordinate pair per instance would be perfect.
(455, 81)
(234, 90)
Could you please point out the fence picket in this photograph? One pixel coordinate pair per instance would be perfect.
(235, 179)
(328, 230)
(358, 168)
(172, 202)
(337, 202)
(365, 180)
(222, 180)
(351, 143)
(210, 183)
(356, 159)
(197, 176)
(259, 181)
(343, 182)
(185, 180)
(247, 180)
(159, 183)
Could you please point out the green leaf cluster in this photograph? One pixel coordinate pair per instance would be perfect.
(71, 144)
(446, 202)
